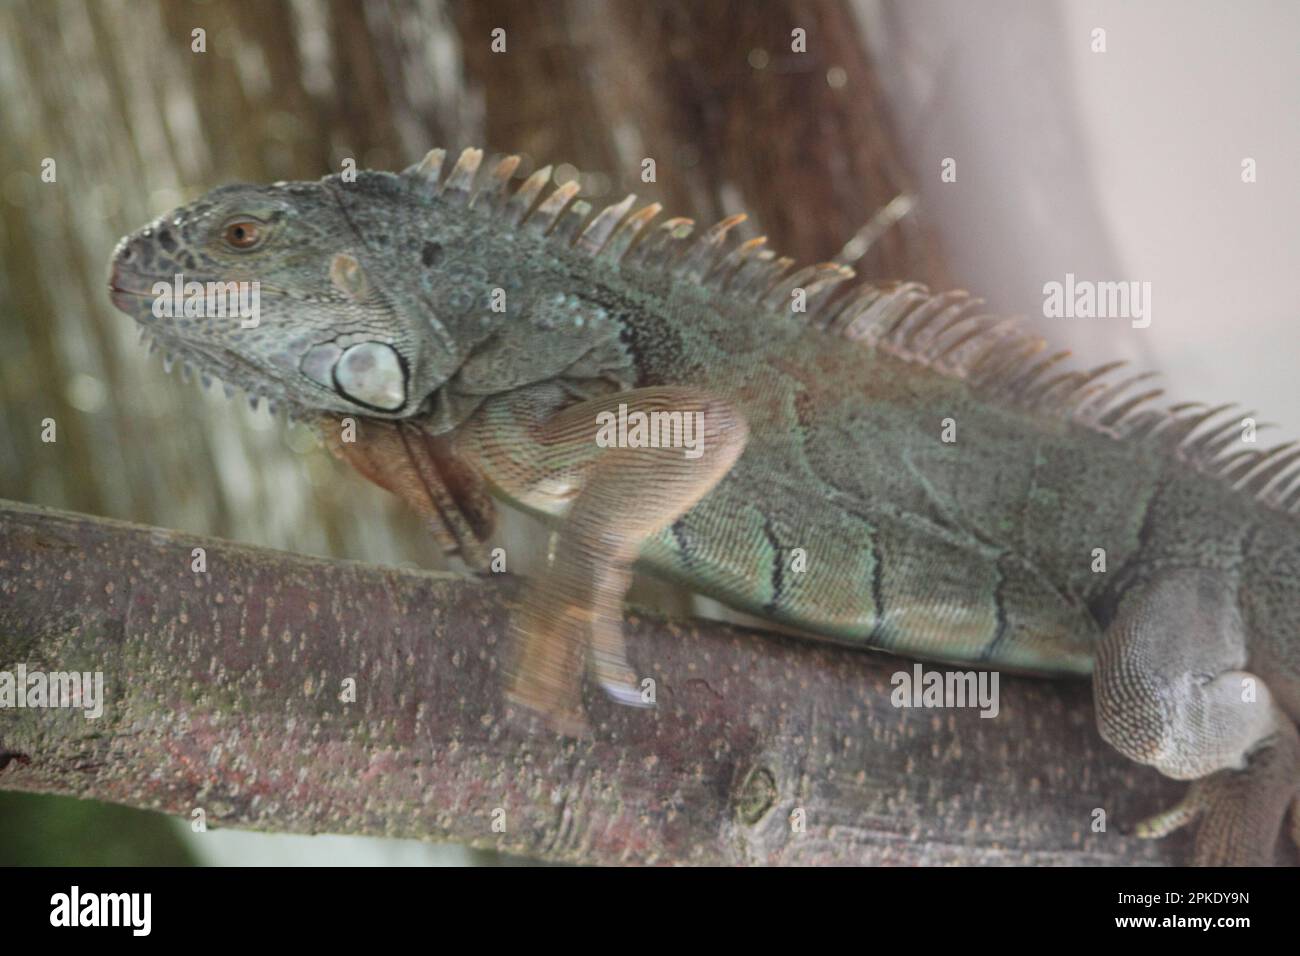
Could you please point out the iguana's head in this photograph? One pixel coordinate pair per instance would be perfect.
(274, 290)
(385, 295)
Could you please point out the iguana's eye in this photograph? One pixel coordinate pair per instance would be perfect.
(242, 234)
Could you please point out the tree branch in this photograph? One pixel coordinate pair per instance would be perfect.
(223, 693)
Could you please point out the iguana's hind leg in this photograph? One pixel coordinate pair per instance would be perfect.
(573, 613)
(1171, 691)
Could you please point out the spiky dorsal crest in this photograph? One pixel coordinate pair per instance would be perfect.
(949, 332)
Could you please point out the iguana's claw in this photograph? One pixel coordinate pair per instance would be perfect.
(623, 692)
(609, 666)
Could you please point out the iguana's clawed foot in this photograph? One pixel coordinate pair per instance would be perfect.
(1172, 690)
(545, 676)
(555, 642)
(608, 662)
(1241, 812)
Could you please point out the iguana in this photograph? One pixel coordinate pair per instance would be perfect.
(484, 334)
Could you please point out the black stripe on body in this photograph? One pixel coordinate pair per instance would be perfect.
(999, 609)
(773, 605)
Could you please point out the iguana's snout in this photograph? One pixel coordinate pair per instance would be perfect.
(137, 260)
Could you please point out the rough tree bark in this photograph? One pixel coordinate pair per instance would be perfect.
(223, 694)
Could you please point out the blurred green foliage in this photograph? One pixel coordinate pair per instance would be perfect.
(41, 830)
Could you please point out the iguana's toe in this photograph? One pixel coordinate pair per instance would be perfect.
(545, 675)
(1175, 818)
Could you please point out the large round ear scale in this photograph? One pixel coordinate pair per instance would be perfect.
(371, 373)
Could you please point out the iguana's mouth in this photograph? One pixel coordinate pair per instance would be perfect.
(125, 299)
(125, 285)
(133, 293)
(123, 293)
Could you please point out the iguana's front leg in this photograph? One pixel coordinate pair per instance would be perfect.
(540, 447)
(1172, 691)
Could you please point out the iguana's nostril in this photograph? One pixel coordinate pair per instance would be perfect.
(123, 251)
(140, 254)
